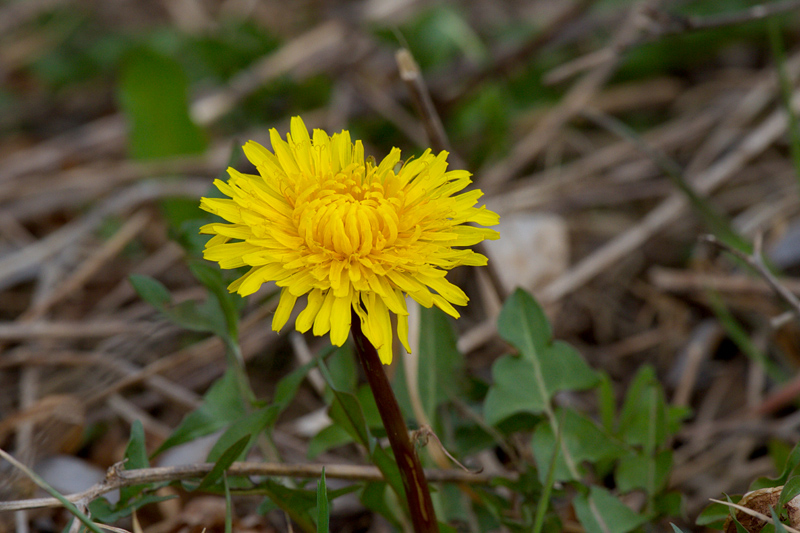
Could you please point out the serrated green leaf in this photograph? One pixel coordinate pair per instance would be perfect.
(154, 97)
(222, 404)
(602, 511)
(150, 290)
(323, 515)
(225, 460)
(526, 383)
(581, 440)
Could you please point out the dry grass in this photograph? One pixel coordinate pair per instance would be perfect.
(77, 216)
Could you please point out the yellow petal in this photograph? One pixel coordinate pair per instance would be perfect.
(307, 316)
(322, 324)
(340, 320)
(284, 310)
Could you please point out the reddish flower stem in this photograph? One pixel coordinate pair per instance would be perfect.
(418, 496)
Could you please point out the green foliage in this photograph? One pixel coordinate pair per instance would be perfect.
(323, 515)
(581, 440)
(154, 96)
(544, 366)
(713, 516)
(222, 405)
(631, 442)
(599, 510)
(134, 496)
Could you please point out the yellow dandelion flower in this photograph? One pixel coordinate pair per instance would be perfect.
(322, 221)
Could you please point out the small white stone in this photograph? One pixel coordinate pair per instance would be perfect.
(532, 250)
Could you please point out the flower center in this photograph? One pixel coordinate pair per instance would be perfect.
(346, 214)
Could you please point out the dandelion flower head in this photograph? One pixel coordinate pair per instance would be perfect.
(322, 221)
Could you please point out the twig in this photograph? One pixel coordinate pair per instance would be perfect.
(681, 24)
(758, 139)
(26, 260)
(756, 261)
(411, 76)
(56, 496)
(117, 478)
(531, 145)
(659, 24)
(505, 62)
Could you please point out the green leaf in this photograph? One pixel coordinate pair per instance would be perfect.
(441, 364)
(779, 527)
(375, 498)
(153, 94)
(247, 428)
(343, 371)
(329, 437)
(641, 471)
(222, 405)
(714, 515)
(298, 502)
(211, 278)
(606, 402)
(581, 440)
(676, 529)
(287, 387)
(790, 490)
(643, 418)
(150, 290)
(228, 504)
(732, 513)
(206, 317)
(323, 516)
(527, 382)
(253, 424)
(346, 411)
(135, 458)
(602, 511)
(226, 459)
(791, 465)
(104, 512)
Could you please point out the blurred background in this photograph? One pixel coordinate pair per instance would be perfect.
(609, 135)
